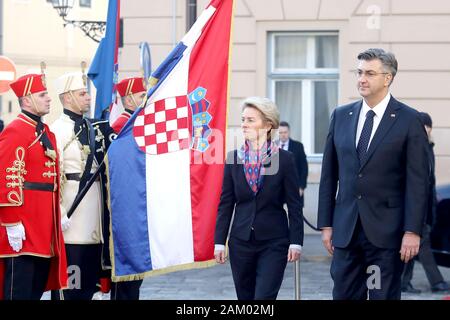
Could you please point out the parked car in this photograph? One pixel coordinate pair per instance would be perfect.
(440, 233)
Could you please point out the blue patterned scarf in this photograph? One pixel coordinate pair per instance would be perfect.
(254, 161)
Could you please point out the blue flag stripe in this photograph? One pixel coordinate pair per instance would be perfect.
(126, 163)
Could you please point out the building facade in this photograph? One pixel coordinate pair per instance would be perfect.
(302, 54)
(32, 31)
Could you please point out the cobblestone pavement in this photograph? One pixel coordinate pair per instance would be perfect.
(216, 283)
(316, 284)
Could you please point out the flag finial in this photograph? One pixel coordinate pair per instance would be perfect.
(43, 67)
(83, 71)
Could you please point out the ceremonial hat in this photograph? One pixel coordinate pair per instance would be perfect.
(130, 85)
(70, 82)
(28, 84)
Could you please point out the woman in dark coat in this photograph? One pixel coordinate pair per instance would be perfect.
(258, 179)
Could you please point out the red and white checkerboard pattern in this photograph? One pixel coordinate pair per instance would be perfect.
(162, 126)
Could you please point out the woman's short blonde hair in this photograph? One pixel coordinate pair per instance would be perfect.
(266, 106)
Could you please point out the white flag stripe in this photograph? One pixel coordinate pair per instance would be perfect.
(168, 174)
(196, 30)
(169, 219)
(116, 110)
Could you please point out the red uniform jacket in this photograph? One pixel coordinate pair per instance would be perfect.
(24, 160)
(120, 122)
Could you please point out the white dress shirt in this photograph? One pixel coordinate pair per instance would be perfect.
(221, 247)
(379, 110)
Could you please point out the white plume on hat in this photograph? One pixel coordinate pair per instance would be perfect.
(70, 82)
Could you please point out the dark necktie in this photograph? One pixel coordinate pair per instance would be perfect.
(364, 139)
(282, 146)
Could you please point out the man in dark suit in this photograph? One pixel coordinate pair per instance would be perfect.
(425, 256)
(376, 161)
(296, 147)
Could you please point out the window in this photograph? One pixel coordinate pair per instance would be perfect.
(85, 3)
(303, 80)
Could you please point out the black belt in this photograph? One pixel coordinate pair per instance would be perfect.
(39, 186)
(76, 176)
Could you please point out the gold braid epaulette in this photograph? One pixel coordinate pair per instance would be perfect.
(16, 177)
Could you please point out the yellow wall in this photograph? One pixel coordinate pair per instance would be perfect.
(416, 31)
(34, 32)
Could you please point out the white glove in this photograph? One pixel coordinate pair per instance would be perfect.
(15, 236)
(65, 223)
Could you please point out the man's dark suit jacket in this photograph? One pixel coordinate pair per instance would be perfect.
(388, 190)
(432, 199)
(264, 211)
(297, 149)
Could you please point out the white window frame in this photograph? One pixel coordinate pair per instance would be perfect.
(306, 76)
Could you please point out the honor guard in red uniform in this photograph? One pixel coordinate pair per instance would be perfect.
(31, 241)
(132, 92)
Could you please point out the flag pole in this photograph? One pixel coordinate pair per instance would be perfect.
(297, 279)
(174, 23)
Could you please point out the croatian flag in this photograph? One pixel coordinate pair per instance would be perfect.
(166, 166)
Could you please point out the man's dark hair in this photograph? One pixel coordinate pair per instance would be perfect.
(387, 59)
(284, 124)
(1, 125)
